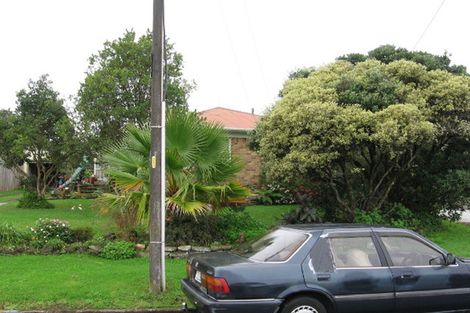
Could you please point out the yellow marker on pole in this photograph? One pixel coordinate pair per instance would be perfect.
(154, 161)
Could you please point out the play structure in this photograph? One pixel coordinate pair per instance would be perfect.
(76, 183)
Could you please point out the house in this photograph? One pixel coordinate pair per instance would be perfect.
(238, 125)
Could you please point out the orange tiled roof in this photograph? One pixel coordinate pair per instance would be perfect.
(231, 118)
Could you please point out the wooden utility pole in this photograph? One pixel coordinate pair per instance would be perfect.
(157, 157)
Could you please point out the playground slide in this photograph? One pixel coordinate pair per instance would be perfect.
(78, 171)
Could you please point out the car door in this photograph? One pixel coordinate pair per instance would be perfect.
(352, 270)
(420, 286)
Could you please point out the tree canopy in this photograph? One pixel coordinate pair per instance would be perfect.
(116, 89)
(39, 131)
(390, 53)
(365, 130)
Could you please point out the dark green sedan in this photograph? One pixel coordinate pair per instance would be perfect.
(330, 268)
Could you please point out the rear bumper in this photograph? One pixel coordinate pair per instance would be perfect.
(206, 304)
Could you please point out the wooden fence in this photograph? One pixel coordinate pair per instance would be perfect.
(8, 181)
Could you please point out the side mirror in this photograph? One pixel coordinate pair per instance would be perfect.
(450, 259)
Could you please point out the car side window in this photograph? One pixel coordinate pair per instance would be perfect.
(354, 252)
(406, 251)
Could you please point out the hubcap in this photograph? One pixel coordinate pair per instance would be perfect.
(304, 309)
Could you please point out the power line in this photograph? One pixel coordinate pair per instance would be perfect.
(234, 54)
(429, 24)
(255, 45)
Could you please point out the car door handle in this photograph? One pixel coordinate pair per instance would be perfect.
(407, 275)
(323, 276)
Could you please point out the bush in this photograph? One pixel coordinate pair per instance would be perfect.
(226, 226)
(307, 212)
(11, 236)
(275, 194)
(118, 250)
(395, 215)
(30, 200)
(46, 230)
(238, 226)
(82, 234)
(54, 245)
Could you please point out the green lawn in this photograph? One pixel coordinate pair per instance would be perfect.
(453, 237)
(80, 281)
(86, 282)
(269, 215)
(9, 195)
(87, 217)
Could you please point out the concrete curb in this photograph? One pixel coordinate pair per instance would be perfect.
(103, 311)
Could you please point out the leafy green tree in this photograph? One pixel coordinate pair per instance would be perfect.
(8, 157)
(199, 169)
(390, 53)
(116, 90)
(364, 131)
(39, 132)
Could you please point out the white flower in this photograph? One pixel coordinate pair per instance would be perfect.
(73, 208)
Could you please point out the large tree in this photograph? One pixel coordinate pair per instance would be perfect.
(365, 131)
(116, 90)
(39, 131)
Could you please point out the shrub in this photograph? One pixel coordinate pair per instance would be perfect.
(99, 241)
(238, 226)
(184, 229)
(46, 230)
(11, 236)
(118, 250)
(307, 212)
(82, 234)
(226, 226)
(395, 215)
(30, 200)
(275, 194)
(53, 245)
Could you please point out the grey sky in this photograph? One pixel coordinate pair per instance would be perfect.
(239, 52)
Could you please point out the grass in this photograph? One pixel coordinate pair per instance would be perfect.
(269, 215)
(86, 282)
(81, 281)
(453, 237)
(9, 195)
(87, 217)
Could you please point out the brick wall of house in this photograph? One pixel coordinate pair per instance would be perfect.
(250, 175)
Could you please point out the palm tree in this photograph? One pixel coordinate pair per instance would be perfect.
(199, 168)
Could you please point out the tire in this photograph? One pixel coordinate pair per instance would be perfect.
(304, 305)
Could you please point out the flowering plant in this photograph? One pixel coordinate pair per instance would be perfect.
(46, 229)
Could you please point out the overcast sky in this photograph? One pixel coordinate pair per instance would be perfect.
(239, 52)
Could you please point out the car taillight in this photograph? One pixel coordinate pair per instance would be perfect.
(215, 285)
(189, 270)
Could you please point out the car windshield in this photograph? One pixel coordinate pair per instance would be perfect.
(276, 246)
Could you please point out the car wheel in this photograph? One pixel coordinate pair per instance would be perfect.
(304, 305)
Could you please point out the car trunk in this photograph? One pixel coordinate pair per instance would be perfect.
(203, 266)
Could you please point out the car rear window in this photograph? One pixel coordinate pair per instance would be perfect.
(276, 246)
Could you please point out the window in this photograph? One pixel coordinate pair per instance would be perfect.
(406, 251)
(354, 252)
(276, 246)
